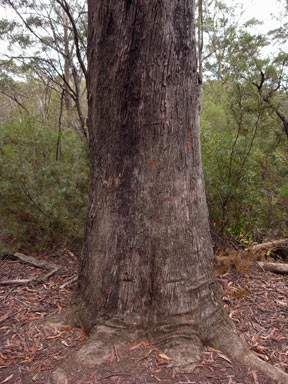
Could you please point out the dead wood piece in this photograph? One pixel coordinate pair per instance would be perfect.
(51, 267)
(274, 267)
(40, 279)
(71, 281)
(16, 282)
(269, 245)
(36, 263)
(51, 273)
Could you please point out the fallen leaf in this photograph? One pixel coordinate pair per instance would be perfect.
(254, 374)
(135, 346)
(56, 357)
(4, 317)
(7, 379)
(111, 357)
(264, 357)
(165, 357)
(224, 358)
(2, 356)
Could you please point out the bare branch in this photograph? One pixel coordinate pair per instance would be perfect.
(66, 8)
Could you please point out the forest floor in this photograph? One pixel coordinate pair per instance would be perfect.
(256, 301)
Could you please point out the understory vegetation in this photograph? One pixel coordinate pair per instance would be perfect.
(43, 183)
(245, 158)
(44, 135)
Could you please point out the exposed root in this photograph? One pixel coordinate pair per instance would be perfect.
(185, 356)
(101, 346)
(229, 343)
(102, 342)
(105, 340)
(67, 317)
(183, 352)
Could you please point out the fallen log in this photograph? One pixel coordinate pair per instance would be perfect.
(274, 267)
(35, 262)
(269, 245)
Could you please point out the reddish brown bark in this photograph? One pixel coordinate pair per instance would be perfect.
(147, 258)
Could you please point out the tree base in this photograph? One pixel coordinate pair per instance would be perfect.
(105, 340)
(181, 352)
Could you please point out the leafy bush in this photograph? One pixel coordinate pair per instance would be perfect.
(42, 200)
(245, 160)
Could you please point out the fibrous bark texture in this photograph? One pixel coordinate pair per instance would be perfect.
(147, 258)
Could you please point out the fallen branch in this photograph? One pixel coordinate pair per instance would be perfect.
(16, 282)
(51, 273)
(35, 262)
(269, 245)
(71, 281)
(27, 281)
(274, 267)
(51, 267)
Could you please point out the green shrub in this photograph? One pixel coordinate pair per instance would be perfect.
(244, 152)
(42, 200)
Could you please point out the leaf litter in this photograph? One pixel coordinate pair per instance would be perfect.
(256, 301)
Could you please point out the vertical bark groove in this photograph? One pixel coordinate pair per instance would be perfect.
(147, 254)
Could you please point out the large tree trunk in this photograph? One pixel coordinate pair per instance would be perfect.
(148, 254)
(147, 259)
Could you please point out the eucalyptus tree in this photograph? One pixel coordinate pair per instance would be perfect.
(49, 39)
(146, 266)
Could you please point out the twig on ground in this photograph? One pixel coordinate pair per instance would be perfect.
(69, 282)
(116, 353)
(114, 375)
(17, 282)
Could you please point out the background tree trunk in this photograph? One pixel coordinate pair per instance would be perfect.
(67, 64)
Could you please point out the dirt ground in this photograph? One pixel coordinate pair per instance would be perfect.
(256, 301)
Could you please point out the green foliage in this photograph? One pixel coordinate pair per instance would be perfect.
(244, 128)
(245, 162)
(42, 201)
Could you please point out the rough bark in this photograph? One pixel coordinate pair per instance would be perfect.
(147, 242)
(147, 259)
